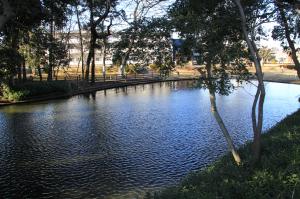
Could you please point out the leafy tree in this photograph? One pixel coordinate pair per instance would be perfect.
(36, 56)
(212, 30)
(9, 58)
(152, 45)
(266, 54)
(78, 11)
(55, 17)
(135, 20)
(26, 16)
(252, 15)
(99, 11)
(219, 30)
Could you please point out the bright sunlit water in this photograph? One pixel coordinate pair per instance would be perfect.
(120, 143)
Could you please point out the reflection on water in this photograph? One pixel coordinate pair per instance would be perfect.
(123, 142)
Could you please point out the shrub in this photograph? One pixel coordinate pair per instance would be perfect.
(42, 88)
(33, 89)
(289, 66)
(135, 68)
(13, 95)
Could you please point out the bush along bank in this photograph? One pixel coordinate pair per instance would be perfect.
(31, 90)
(276, 176)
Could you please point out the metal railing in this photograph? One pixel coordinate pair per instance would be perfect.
(117, 77)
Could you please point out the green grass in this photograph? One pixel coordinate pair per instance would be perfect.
(276, 176)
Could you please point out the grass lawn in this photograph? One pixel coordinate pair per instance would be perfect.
(276, 176)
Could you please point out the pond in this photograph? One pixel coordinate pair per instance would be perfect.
(123, 142)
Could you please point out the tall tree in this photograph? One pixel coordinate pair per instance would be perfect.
(252, 15)
(266, 55)
(211, 30)
(134, 19)
(27, 15)
(78, 13)
(99, 11)
(287, 30)
(55, 17)
(152, 45)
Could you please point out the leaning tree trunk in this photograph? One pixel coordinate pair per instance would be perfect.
(219, 119)
(287, 33)
(258, 104)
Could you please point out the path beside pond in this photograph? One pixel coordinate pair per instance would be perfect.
(281, 78)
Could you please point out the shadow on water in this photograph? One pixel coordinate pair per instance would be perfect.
(91, 95)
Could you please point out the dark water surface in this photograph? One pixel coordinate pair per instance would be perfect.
(122, 142)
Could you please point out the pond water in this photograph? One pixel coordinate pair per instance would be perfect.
(120, 143)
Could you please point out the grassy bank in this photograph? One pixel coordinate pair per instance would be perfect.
(277, 175)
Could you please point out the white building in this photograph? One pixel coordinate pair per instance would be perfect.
(75, 52)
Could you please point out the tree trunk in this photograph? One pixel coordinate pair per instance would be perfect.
(7, 13)
(90, 56)
(287, 33)
(40, 72)
(19, 72)
(81, 42)
(88, 63)
(93, 69)
(15, 46)
(94, 36)
(126, 57)
(51, 58)
(223, 128)
(104, 59)
(24, 70)
(133, 37)
(93, 40)
(124, 63)
(219, 119)
(257, 121)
